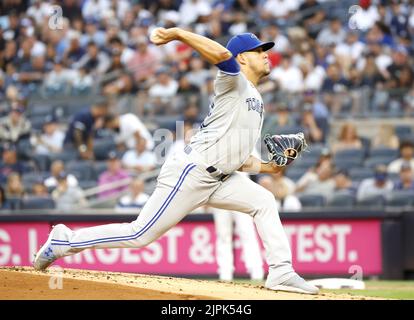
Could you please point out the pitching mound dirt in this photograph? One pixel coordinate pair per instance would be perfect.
(26, 283)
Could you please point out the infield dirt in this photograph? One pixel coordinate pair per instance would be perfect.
(22, 283)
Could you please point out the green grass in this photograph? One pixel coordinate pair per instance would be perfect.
(402, 290)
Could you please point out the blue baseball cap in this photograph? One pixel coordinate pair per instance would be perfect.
(246, 42)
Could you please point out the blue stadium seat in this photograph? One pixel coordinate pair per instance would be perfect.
(373, 162)
(402, 131)
(38, 203)
(360, 173)
(342, 199)
(29, 179)
(383, 152)
(347, 163)
(37, 121)
(87, 184)
(40, 110)
(42, 161)
(288, 129)
(101, 147)
(366, 144)
(99, 167)
(407, 137)
(15, 203)
(394, 177)
(372, 202)
(355, 154)
(314, 151)
(81, 91)
(304, 162)
(24, 149)
(295, 173)
(76, 105)
(65, 156)
(168, 122)
(149, 186)
(312, 200)
(82, 170)
(401, 198)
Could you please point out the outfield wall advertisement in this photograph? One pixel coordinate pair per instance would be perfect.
(318, 248)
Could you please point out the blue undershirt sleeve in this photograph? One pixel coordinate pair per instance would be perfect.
(229, 66)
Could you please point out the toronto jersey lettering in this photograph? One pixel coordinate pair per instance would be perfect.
(230, 131)
(254, 104)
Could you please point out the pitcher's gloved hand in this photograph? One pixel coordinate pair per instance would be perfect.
(285, 148)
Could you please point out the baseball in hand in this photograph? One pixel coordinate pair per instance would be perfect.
(161, 35)
(153, 35)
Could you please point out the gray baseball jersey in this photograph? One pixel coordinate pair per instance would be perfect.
(229, 133)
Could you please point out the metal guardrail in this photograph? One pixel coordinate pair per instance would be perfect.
(94, 191)
(110, 214)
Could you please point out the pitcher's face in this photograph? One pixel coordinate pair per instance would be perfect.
(258, 61)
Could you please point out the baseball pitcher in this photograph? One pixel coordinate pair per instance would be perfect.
(206, 171)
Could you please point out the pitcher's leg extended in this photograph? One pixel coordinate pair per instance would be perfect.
(160, 213)
(166, 207)
(239, 193)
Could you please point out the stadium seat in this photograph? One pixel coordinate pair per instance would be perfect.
(347, 163)
(37, 122)
(350, 154)
(15, 203)
(40, 110)
(24, 149)
(394, 177)
(38, 203)
(295, 173)
(360, 173)
(312, 200)
(400, 198)
(28, 179)
(42, 161)
(81, 91)
(373, 162)
(150, 186)
(87, 184)
(304, 162)
(383, 152)
(407, 137)
(314, 152)
(65, 156)
(342, 199)
(374, 202)
(99, 167)
(82, 170)
(101, 147)
(56, 91)
(168, 122)
(366, 144)
(288, 129)
(402, 131)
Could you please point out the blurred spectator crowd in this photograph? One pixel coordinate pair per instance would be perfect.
(82, 92)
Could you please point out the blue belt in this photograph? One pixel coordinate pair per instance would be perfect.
(212, 170)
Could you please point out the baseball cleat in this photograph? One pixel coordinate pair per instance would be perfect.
(294, 284)
(47, 253)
